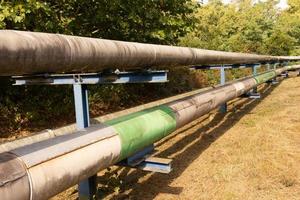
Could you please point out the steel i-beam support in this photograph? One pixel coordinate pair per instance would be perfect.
(144, 160)
(253, 94)
(87, 188)
(254, 73)
(223, 107)
(274, 80)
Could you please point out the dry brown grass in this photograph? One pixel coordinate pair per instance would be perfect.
(252, 152)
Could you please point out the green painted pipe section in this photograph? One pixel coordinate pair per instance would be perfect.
(143, 128)
(261, 78)
(289, 67)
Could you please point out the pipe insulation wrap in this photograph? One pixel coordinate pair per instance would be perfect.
(261, 78)
(141, 129)
(43, 169)
(24, 52)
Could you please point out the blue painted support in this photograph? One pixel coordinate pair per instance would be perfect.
(155, 164)
(274, 81)
(254, 72)
(253, 94)
(147, 76)
(223, 108)
(139, 156)
(81, 105)
(144, 161)
(286, 73)
(87, 188)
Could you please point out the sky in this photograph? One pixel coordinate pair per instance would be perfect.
(282, 4)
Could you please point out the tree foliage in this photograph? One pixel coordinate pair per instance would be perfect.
(245, 26)
(152, 21)
(241, 26)
(155, 21)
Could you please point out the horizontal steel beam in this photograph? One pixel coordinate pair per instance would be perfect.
(34, 53)
(93, 78)
(226, 66)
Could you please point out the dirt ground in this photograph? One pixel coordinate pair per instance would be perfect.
(252, 152)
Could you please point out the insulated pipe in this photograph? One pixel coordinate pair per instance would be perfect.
(43, 169)
(47, 134)
(69, 129)
(24, 53)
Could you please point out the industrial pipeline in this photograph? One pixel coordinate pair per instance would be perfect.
(27, 53)
(43, 169)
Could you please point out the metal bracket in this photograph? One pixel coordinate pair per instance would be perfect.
(156, 164)
(144, 160)
(253, 95)
(116, 77)
(284, 74)
(223, 107)
(273, 81)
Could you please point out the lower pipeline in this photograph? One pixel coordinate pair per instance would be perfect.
(43, 169)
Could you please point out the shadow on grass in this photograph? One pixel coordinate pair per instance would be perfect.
(191, 146)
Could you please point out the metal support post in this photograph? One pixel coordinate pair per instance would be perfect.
(268, 67)
(223, 108)
(87, 188)
(254, 72)
(253, 94)
(81, 105)
(274, 80)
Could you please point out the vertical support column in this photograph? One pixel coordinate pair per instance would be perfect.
(87, 188)
(254, 73)
(223, 108)
(268, 67)
(253, 94)
(81, 106)
(285, 74)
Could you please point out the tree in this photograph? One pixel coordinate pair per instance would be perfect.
(245, 27)
(155, 21)
(151, 21)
